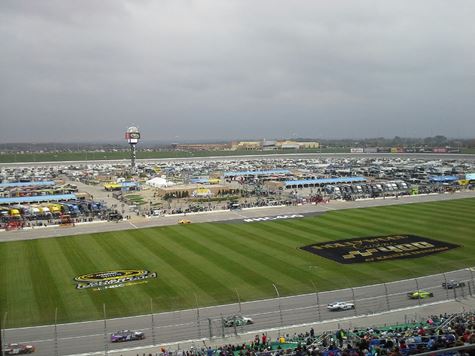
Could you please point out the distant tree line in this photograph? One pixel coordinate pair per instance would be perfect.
(435, 141)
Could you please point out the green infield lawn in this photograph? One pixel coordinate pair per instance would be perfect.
(210, 262)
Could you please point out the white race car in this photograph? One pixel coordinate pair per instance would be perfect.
(337, 306)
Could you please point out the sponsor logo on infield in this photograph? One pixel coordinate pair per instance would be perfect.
(378, 248)
(113, 279)
(270, 218)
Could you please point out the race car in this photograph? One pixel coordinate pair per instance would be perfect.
(19, 349)
(237, 320)
(127, 335)
(184, 221)
(453, 284)
(337, 306)
(420, 294)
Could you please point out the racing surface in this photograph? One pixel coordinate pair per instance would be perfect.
(94, 336)
(224, 215)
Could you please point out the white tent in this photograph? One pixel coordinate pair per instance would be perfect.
(159, 182)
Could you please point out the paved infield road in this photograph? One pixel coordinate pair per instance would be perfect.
(216, 216)
(202, 323)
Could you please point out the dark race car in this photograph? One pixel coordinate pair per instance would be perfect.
(127, 335)
(19, 349)
(453, 284)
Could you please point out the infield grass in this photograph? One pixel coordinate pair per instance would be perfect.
(211, 261)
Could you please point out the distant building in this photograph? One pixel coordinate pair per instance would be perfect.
(201, 147)
(298, 145)
(246, 145)
(269, 145)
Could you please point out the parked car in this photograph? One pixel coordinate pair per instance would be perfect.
(420, 294)
(337, 306)
(19, 349)
(453, 284)
(127, 335)
(237, 320)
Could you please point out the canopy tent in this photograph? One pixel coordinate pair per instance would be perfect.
(159, 182)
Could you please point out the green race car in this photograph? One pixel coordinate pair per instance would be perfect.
(420, 294)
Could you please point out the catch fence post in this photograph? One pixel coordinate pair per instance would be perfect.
(319, 314)
(280, 308)
(210, 330)
(198, 315)
(418, 291)
(387, 296)
(106, 346)
(471, 277)
(446, 285)
(56, 332)
(239, 300)
(354, 301)
(222, 326)
(3, 330)
(153, 322)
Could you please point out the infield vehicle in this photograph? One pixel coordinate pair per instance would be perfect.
(237, 320)
(420, 294)
(127, 335)
(19, 349)
(337, 306)
(453, 284)
(184, 222)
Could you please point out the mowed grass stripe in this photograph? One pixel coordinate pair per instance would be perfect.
(247, 280)
(44, 281)
(415, 221)
(435, 213)
(120, 257)
(16, 288)
(260, 256)
(216, 280)
(167, 291)
(64, 274)
(208, 285)
(86, 258)
(443, 232)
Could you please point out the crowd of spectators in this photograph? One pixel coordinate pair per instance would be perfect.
(438, 332)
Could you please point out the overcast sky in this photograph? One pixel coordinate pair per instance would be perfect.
(224, 69)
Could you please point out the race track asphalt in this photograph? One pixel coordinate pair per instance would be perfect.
(93, 336)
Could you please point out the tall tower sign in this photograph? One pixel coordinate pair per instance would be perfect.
(132, 136)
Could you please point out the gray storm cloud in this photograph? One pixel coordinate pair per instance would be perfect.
(207, 70)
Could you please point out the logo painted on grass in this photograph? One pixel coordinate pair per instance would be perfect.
(114, 279)
(378, 248)
(270, 218)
